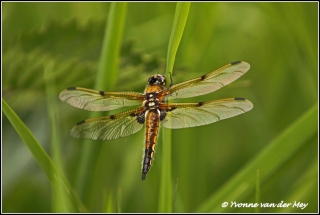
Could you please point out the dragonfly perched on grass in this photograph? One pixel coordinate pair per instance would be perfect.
(153, 110)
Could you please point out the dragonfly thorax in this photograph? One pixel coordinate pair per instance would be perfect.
(151, 101)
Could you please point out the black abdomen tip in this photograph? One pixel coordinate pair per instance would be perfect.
(143, 176)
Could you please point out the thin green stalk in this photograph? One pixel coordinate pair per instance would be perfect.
(241, 186)
(180, 18)
(60, 200)
(179, 22)
(105, 80)
(49, 168)
(109, 203)
(109, 58)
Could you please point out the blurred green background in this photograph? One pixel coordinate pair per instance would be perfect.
(279, 40)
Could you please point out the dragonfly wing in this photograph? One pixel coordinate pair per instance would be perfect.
(108, 127)
(208, 83)
(94, 100)
(185, 115)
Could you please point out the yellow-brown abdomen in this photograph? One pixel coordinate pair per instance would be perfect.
(152, 129)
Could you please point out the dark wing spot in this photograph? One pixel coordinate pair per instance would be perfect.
(200, 104)
(236, 62)
(112, 117)
(79, 123)
(101, 93)
(239, 99)
(203, 77)
(71, 88)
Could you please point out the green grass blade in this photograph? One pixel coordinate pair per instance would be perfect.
(108, 64)
(179, 22)
(242, 185)
(180, 18)
(105, 80)
(306, 184)
(55, 176)
(109, 203)
(60, 199)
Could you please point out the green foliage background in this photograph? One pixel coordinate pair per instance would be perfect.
(47, 47)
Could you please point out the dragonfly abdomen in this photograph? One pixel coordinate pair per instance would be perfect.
(152, 130)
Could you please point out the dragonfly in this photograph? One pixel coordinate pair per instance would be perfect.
(153, 108)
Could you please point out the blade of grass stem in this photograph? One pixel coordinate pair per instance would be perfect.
(180, 18)
(60, 199)
(105, 80)
(242, 184)
(306, 184)
(52, 172)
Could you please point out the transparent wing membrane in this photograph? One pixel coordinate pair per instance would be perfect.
(94, 100)
(108, 127)
(208, 83)
(185, 115)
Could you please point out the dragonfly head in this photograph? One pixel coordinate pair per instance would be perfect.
(157, 79)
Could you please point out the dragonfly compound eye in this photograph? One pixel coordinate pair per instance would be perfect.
(157, 80)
